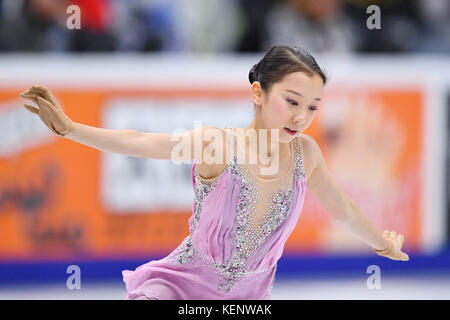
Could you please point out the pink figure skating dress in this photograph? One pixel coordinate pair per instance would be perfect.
(238, 228)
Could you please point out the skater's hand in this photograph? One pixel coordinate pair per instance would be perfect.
(395, 244)
(49, 110)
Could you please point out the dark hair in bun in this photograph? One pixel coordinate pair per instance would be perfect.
(281, 60)
(253, 74)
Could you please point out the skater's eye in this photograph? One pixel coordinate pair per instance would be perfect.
(292, 102)
(312, 108)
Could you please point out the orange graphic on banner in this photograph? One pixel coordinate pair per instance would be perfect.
(51, 208)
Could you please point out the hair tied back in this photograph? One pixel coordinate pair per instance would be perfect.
(253, 75)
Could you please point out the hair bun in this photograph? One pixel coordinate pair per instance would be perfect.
(253, 74)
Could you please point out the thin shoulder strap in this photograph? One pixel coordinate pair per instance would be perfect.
(230, 145)
(299, 169)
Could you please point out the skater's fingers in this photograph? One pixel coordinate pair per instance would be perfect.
(401, 239)
(393, 234)
(44, 102)
(31, 108)
(45, 113)
(25, 92)
(39, 88)
(44, 107)
(385, 233)
(404, 257)
(30, 96)
(43, 91)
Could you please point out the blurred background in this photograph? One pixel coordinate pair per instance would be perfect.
(162, 65)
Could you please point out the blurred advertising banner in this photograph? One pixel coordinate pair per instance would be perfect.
(372, 142)
(60, 199)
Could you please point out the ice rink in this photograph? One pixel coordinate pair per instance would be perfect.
(424, 287)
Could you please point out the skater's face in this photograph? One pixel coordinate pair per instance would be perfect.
(290, 103)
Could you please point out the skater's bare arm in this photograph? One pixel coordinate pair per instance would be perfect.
(126, 141)
(325, 188)
(178, 147)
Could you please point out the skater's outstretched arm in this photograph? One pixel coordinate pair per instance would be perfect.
(127, 141)
(324, 187)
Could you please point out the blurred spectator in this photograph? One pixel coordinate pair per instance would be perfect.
(40, 25)
(33, 25)
(400, 31)
(253, 29)
(95, 33)
(435, 15)
(320, 26)
(177, 25)
(144, 25)
(208, 26)
(338, 26)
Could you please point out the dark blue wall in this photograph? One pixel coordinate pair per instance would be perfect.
(299, 266)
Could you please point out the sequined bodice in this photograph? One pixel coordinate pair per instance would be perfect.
(263, 204)
(261, 207)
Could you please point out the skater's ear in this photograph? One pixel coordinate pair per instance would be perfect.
(258, 94)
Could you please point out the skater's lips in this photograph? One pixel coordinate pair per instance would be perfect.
(290, 132)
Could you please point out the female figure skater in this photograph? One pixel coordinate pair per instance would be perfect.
(241, 218)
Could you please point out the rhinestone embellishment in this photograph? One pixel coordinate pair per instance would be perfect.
(299, 169)
(202, 189)
(247, 240)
